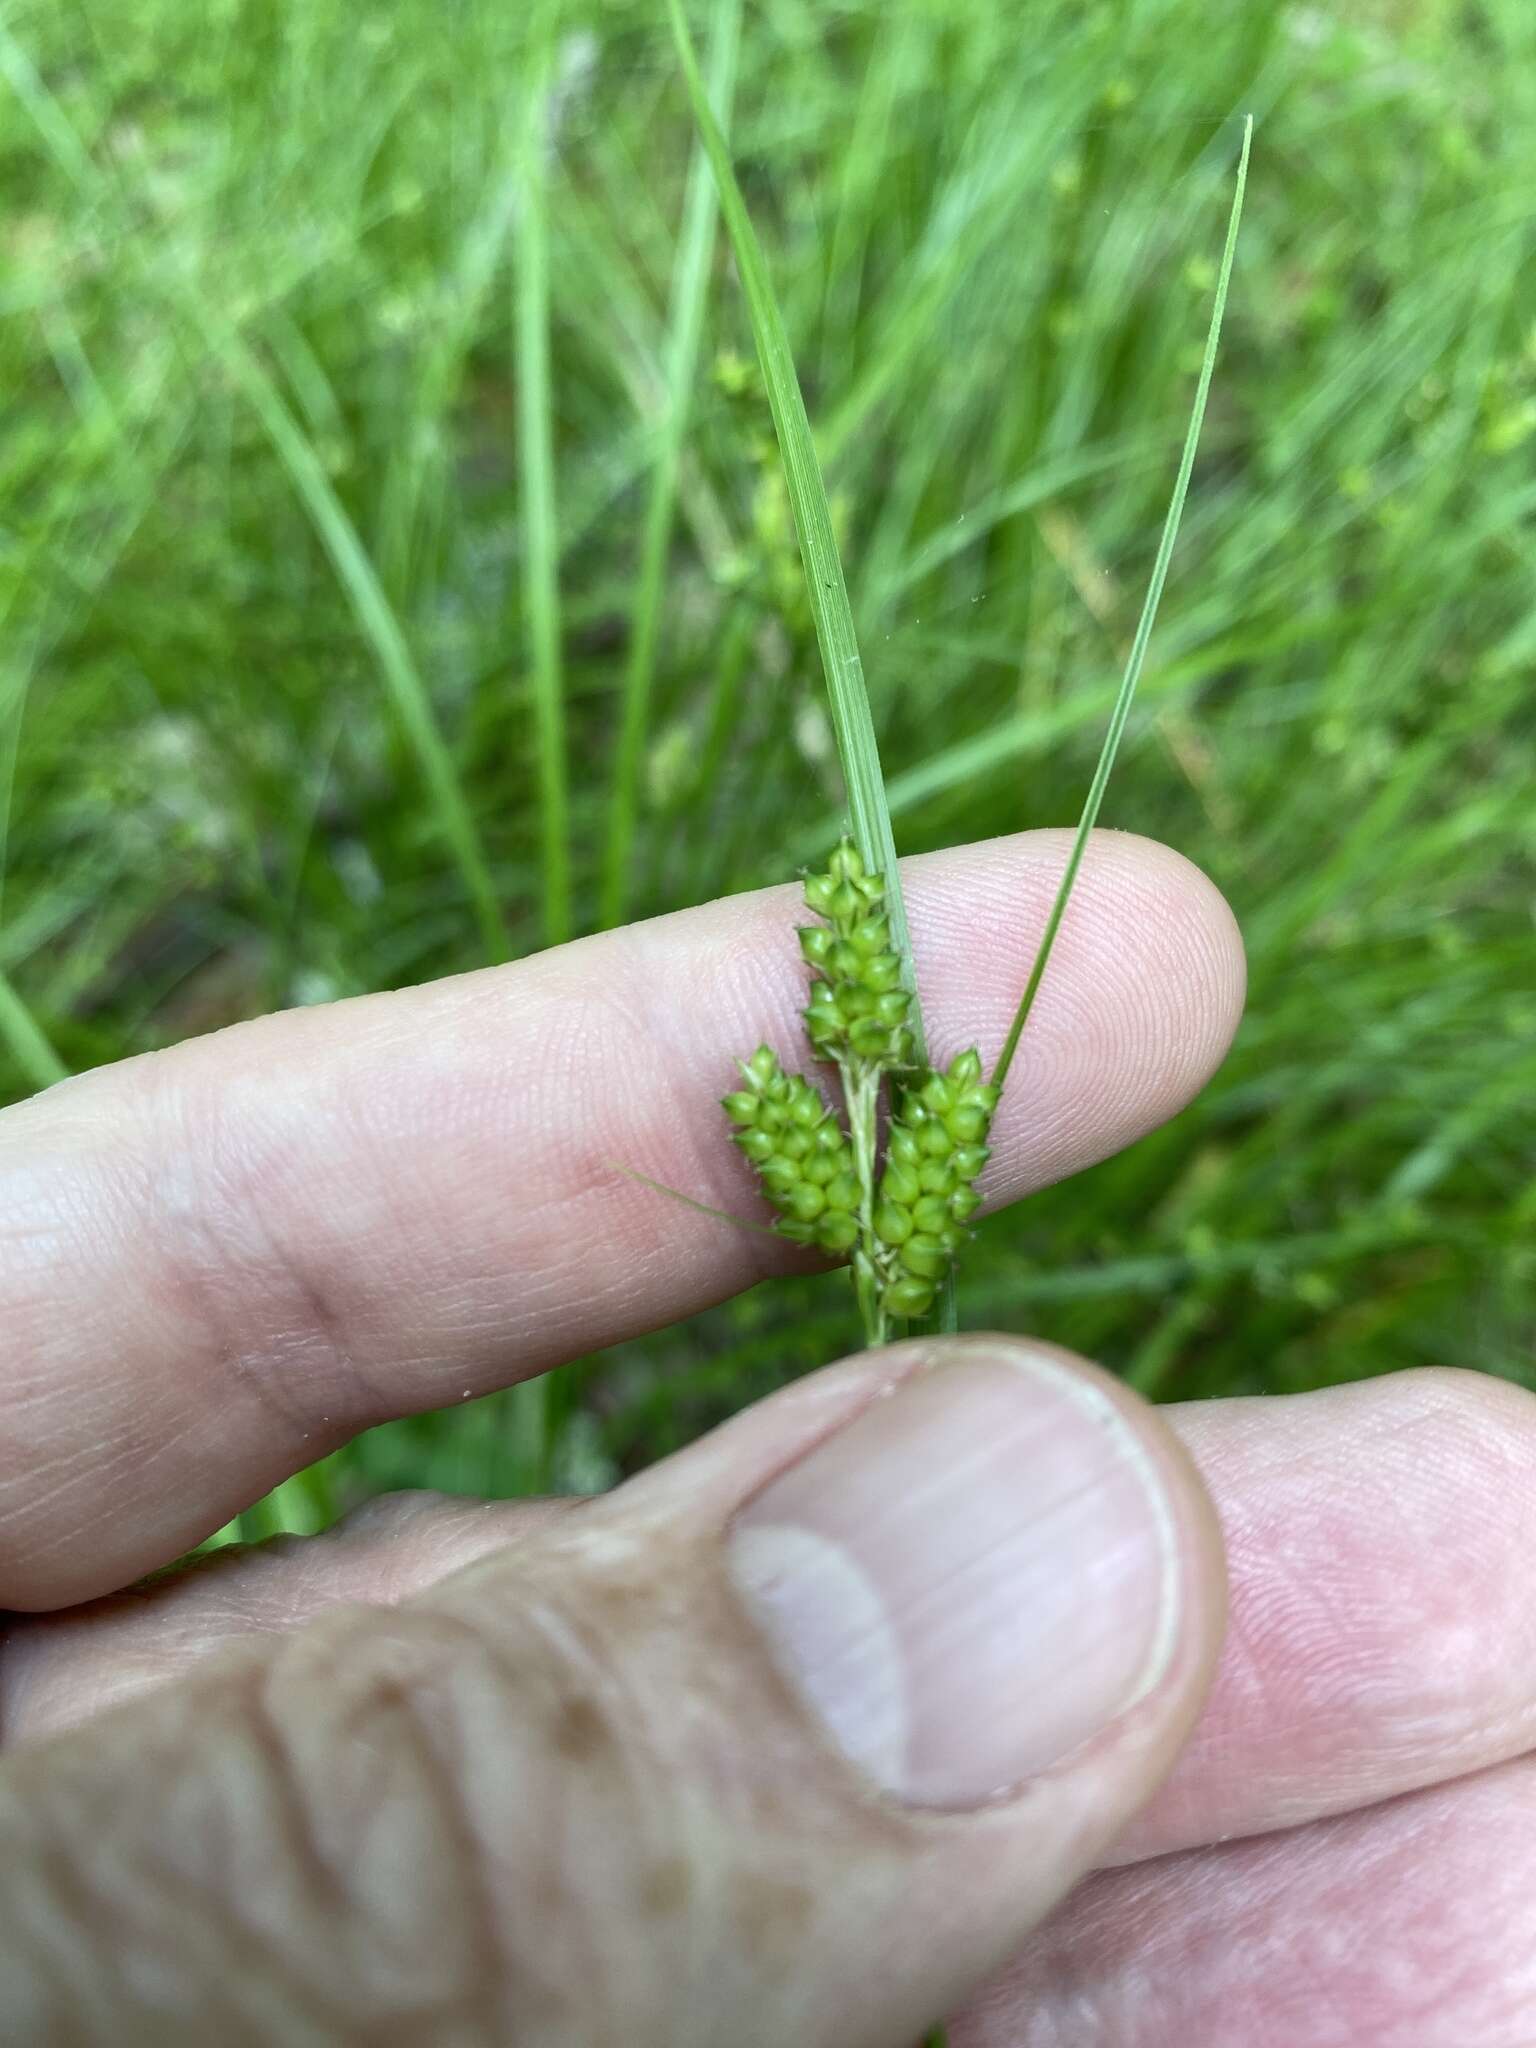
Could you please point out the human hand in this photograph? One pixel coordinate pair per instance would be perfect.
(555, 1772)
(1345, 1856)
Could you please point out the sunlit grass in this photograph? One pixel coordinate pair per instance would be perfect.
(237, 612)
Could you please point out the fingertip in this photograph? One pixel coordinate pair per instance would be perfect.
(1137, 1010)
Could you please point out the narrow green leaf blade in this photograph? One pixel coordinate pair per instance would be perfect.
(26, 1040)
(536, 447)
(852, 722)
(532, 1414)
(359, 579)
(1138, 653)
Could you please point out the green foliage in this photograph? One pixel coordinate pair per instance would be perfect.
(217, 792)
(907, 1230)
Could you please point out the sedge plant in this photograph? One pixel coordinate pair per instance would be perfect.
(888, 1179)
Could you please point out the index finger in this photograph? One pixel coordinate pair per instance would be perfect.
(218, 1263)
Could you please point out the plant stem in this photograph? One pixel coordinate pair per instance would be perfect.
(541, 585)
(529, 1427)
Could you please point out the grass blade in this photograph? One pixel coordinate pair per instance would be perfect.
(535, 409)
(26, 1041)
(337, 533)
(828, 590)
(690, 285)
(359, 578)
(1138, 653)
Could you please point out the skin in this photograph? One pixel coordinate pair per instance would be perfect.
(486, 1773)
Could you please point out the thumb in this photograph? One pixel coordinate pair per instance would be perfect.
(791, 1739)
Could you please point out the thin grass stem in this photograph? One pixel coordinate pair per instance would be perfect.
(536, 449)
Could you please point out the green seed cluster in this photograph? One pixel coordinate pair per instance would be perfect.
(934, 1150)
(801, 1154)
(858, 1008)
(903, 1222)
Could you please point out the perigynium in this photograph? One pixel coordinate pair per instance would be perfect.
(894, 1187)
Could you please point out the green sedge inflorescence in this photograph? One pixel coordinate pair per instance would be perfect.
(899, 1208)
(801, 1152)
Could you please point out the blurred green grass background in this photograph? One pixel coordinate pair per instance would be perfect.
(994, 232)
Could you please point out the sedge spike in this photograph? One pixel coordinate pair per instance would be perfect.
(894, 1203)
